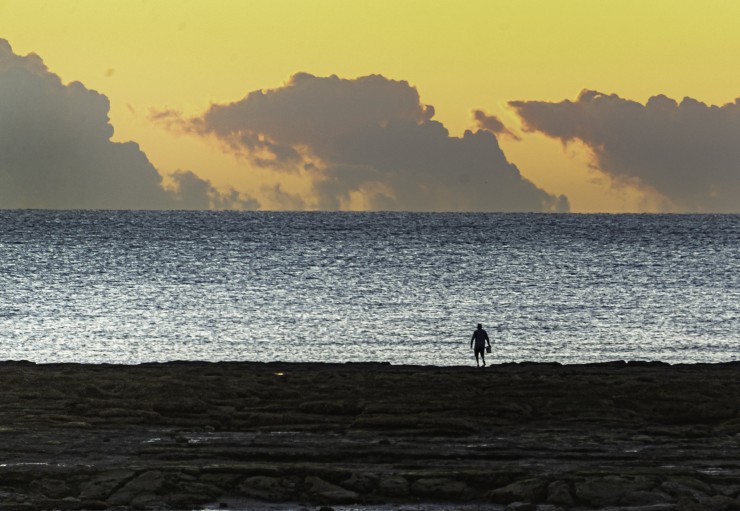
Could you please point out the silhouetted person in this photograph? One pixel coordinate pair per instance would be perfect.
(480, 338)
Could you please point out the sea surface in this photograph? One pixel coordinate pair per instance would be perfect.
(406, 288)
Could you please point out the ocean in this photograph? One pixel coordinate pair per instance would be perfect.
(405, 288)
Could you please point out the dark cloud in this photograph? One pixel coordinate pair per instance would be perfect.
(192, 192)
(371, 137)
(282, 200)
(687, 152)
(492, 124)
(56, 149)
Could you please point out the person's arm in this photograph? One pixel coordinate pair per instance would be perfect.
(488, 340)
(471, 341)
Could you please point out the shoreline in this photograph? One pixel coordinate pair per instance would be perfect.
(378, 364)
(184, 434)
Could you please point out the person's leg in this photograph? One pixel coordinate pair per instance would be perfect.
(483, 357)
(479, 351)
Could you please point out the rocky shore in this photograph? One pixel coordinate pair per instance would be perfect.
(182, 435)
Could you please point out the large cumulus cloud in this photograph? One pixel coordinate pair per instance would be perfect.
(56, 150)
(688, 152)
(370, 137)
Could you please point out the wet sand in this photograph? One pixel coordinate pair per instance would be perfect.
(179, 435)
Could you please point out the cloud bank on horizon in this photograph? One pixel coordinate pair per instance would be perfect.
(688, 152)
(56, 150)
(370, 137)
(367, 142)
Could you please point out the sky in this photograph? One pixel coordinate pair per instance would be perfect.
(580, 106)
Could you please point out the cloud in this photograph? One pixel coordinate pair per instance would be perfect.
(492, 124)
(56, 150)
(687, 152)
(368, 141)
(193, 192)
(283, 200)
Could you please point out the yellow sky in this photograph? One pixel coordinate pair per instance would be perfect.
(461, 56)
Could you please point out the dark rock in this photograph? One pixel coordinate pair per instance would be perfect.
(324, 492)
(438, 488)
(728, 490)
(651, 507)
(18, 506)
(564, 424)
(149, 483)
(331, 473)
(224, 481)
(65, 504)
(689, 504)
(187, 500)
(527, 490)
(103, 485)
(227, 471)
(521, 506)
(691, 489)
(689, 482)
(385, 422)
(393, 486)
(197, 488)
(339, 407)
(558, 492)
(447, 426)
(271, 489)
(93, 391)
(181, 404)
(645, 498)
(148, 501)
(360, 483)
(722, 503)
(608, 490)
(94, 505)
(52, 488)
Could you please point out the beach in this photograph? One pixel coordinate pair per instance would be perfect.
(188, 435)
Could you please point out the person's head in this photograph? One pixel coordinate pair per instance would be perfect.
(480, 325)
